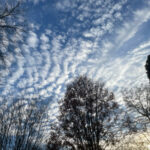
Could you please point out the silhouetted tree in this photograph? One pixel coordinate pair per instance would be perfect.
(58, 140)
(138, 106)
(21, 125)
(87, 115)
(147, 67)
(12, 24)
(55, 140)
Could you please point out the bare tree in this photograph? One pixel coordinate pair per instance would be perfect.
(138, 107)
(55, 140)
(87, 115)
(12, 25)
(58, 140)
(21, 125)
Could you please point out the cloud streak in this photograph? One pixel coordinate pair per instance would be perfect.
(95, 41)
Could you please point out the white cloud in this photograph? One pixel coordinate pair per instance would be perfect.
(64, 5)
(45, 46)
(141, 48)
(48, 64)
(36, 1)
(32, 40)
(130, 28)
(48, 32)
(44, 38)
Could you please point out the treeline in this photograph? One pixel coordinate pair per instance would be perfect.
(90, 118)
(21, 124)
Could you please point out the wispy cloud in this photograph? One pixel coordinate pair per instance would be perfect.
(91, 43)
(130, 28)
(35, 1)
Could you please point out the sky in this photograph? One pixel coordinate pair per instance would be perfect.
(107, 40)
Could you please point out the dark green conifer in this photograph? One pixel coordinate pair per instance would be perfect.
(147, 67)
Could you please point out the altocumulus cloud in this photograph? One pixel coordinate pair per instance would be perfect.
(92, 37)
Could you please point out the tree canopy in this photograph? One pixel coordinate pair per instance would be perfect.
(87, 114)
(147, 66)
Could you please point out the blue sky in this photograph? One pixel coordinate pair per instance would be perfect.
(107, 40)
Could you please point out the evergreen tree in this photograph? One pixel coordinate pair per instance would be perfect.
(147, 67)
